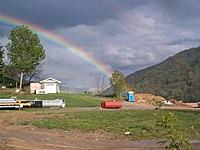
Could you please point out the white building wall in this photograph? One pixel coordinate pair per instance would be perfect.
(34, 87)
(50, 87)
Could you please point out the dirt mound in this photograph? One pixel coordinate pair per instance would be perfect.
(147, 98)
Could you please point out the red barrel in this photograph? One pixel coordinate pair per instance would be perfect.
(114, 104)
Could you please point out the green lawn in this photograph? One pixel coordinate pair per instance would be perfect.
(71, 100)
(140, 123)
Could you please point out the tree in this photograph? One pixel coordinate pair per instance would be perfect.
(100, 82)
(24, 51)
(1, 61)
(118, 82)
(35, 74)
(12, 73)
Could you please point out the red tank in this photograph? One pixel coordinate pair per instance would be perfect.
(114, 104)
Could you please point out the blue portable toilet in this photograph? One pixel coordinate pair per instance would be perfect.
(131, 97)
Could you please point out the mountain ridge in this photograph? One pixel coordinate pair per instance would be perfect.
(176, 77)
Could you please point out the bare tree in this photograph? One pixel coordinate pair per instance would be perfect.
(100, 82)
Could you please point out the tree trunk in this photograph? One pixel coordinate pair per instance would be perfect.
(21, 80)
(30, 78)
(118, 95)
(16, 84)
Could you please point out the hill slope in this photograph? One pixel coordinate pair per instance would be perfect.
(176, 77)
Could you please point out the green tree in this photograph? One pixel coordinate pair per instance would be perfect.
(24, 51)
(118, 82)
(13, 74)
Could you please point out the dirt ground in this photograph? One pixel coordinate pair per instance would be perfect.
(16, 137)
(136, 106)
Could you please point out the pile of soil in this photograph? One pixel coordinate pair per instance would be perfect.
(147, 98)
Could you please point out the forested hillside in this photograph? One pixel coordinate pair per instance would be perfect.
(177, 77)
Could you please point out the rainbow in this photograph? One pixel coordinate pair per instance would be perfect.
(60, 40)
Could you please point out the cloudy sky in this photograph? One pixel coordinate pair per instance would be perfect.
(125, 35)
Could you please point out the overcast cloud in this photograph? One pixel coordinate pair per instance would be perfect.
(126, 35)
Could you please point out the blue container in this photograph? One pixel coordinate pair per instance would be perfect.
(131, 97)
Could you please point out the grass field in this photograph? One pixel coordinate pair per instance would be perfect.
(71, 100)
(140, 123)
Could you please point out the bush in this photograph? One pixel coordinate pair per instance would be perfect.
(158, 104)
(174, 139)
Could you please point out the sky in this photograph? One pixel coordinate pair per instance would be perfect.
(125, 35)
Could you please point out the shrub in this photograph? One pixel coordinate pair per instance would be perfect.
(174, 139)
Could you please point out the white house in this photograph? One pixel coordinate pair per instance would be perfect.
(49, 85)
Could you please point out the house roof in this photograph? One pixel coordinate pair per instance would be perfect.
(50, 80)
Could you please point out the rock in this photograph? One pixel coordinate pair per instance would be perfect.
(127, 133)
